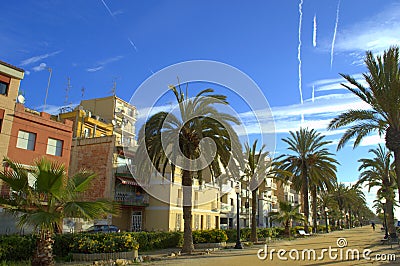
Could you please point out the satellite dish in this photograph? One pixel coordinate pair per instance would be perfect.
(21, 99)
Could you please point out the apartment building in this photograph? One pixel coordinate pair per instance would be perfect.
(165, 210)
(104, 142)
(10, 78)
(37, 134)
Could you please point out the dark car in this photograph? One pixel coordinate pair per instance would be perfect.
(99, 228)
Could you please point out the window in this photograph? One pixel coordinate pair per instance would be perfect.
(1, 118)
(3, 88)
(54, 147)
(87, 132)
(26, 140)
(178, 222)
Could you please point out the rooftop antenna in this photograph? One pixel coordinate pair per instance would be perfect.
(67, 89)
(114, 89)
(47, 89)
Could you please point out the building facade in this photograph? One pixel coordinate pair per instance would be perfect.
(37, 134)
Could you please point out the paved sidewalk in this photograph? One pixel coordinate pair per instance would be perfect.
(357, 239)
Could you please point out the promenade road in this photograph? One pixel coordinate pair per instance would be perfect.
(358, 239)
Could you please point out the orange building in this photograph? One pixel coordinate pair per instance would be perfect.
(36, 134)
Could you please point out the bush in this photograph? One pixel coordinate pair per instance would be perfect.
(16, 247)
(158, 240)
(209, 236)
(103, 243)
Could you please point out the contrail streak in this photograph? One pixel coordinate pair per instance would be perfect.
(313, 93)
(334, 32)
(299, 55)
(314, 41)
(106, 6)
(133, 45)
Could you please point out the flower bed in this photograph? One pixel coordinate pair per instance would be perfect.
(105, 256)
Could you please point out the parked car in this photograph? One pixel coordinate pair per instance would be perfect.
(101, 228)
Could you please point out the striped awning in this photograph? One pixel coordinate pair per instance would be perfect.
(128, 181)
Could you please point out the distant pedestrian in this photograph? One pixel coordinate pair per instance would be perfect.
(373, 226)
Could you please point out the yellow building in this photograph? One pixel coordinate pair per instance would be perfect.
(87, 125)
(165, 210)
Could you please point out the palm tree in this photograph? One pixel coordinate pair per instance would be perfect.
(166, 139)
(326, 203)
(341, 197)
(311, 164)
(379, 172)
(287, 215)
(255, 171)
(355, 199)
(52, 197)
(383, 96)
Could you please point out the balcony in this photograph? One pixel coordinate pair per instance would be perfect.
(270, 186)
(225, 207)
(274, 199)
(179, 202)
(132, 199)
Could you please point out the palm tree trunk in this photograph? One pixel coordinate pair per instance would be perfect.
(390, 216)
(253, 236)
(314, 207)
(306, 207)
(326, 222)
(188, 246)
(44, 250)
(287, 228)
(350, 221)
(397, 169)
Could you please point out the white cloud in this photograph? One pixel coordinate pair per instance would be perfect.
(27, 72)
(37, 58)
(94, 69)
(375, 34)
(54, 109)
(100, 65)
(40, 67)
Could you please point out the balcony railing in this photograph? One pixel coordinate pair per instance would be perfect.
(270, 186)
(225, 207)
(274, 199)
(132, 199)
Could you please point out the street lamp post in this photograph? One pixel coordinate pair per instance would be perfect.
(384, 218)
(238, 243)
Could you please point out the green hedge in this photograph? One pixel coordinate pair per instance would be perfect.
(16, 247)
(209, 236)
(103, 243)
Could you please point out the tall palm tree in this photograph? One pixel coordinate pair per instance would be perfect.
(382, 94)
(379, 172)
(326, 203)
(287, 215)
(255, 171)
(341, 196)
(310, 164)
(166, 139)
(52, 197)
(355, 199)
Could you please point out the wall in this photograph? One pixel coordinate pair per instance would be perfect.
(44, 127)
(7, 103)
(97, 155)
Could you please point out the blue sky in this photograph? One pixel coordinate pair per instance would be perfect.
(97, 42)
